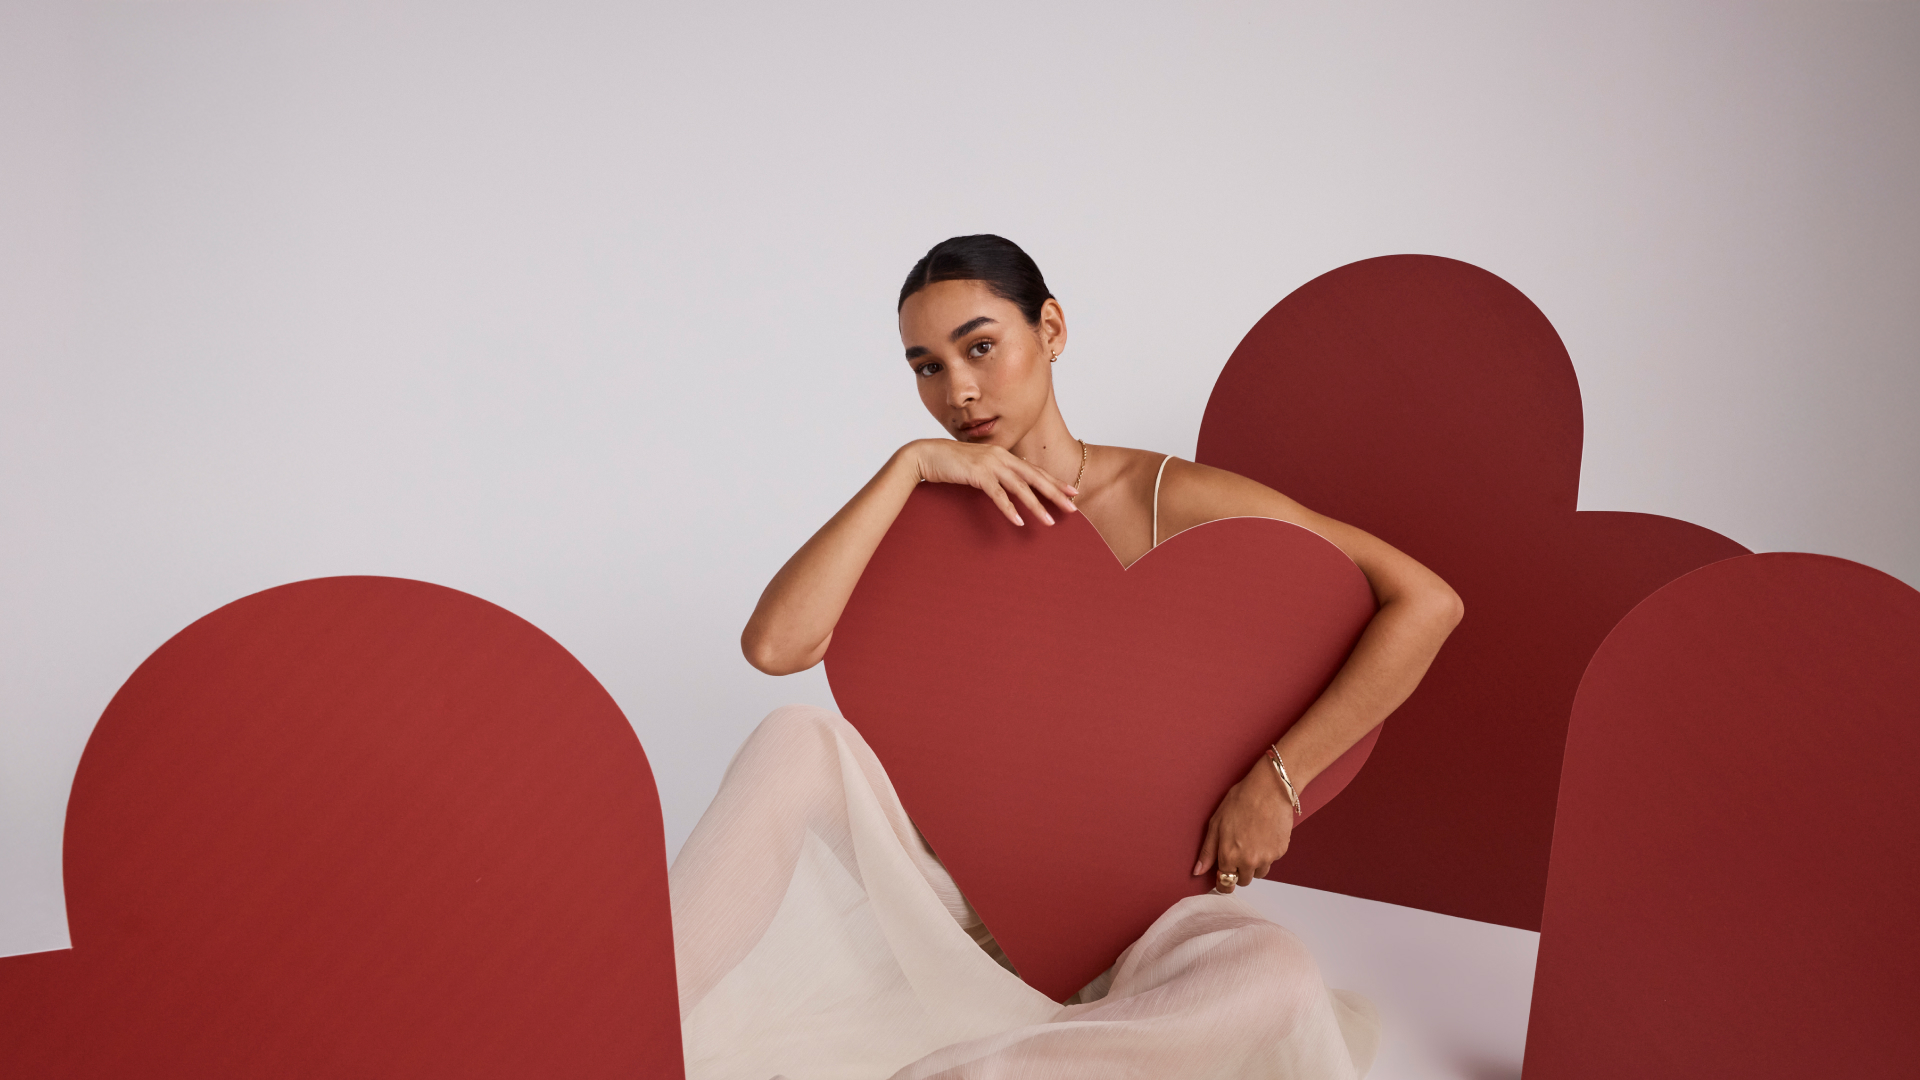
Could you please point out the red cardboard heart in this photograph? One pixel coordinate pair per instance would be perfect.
(1061, 728)
(1733, 881)
(356, 827)
(1430, 403)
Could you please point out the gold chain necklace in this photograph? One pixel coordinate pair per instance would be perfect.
(1081, 475)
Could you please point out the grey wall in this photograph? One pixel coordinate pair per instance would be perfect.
(586, 307)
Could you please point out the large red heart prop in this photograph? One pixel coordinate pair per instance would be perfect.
(1061, 728)
(1733, 886)
(1430, 403)
(357, 827)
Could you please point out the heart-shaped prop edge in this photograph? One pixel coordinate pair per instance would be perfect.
(1431, 403)
(356, 826)
(1061, 728)
(1733, 882)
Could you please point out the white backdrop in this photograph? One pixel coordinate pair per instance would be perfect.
(586, 307)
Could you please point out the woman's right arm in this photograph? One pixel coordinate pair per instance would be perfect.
(794, 620)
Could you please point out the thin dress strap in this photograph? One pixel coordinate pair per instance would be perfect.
(1156, 499)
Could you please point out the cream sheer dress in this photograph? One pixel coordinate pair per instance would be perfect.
(817, 937)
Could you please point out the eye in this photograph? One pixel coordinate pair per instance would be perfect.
(980, 348)
(928, 370)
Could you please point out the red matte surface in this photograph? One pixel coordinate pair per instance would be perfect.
(1060, 728)
(358, 827)
(1733, 887)
(1430, 403)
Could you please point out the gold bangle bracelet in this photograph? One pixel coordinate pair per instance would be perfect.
(1280, 767)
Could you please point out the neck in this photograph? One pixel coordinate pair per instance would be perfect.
(1050, 445)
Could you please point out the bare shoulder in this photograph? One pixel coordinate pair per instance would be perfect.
(1126, 475)
(1194, 494)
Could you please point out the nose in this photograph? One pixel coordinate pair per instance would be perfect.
(962, 390)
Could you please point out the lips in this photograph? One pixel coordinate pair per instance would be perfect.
(978, 429)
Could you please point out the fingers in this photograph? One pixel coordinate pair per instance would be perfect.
(1004, 489)
(999, 496)
(1237, 870)
(1033, 484)
(1235, 864)
(1229, 866)
(1011, 482)
(1060, 494)
(1207, 847)
(1025, 492)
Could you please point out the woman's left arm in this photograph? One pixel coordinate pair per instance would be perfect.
(1416, 612)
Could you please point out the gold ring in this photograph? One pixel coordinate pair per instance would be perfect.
(1229, 879)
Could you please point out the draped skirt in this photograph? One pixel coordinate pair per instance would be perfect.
(818, 938)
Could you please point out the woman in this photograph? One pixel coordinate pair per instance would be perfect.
(818, 936)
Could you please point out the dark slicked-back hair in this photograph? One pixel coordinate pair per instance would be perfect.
(993, 261)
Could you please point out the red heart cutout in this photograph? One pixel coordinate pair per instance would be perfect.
(356, 827)
(1430, 403)
(1733, 881)
(1061, 728)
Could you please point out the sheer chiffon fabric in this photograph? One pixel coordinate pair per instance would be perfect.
(818, 938)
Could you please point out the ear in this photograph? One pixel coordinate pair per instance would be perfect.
(1052, 328)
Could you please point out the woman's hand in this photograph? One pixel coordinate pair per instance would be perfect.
(1004, 477)
(793, 623)
(1250, 830)
(1415, 613)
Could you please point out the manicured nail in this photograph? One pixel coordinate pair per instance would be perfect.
(1017, 521)
(1044, 517)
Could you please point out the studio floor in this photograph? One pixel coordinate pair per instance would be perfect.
(1453, 993)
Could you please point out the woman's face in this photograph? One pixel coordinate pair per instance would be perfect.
(981, 367)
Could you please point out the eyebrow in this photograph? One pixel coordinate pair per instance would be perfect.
(970, 326)
(959, 332)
